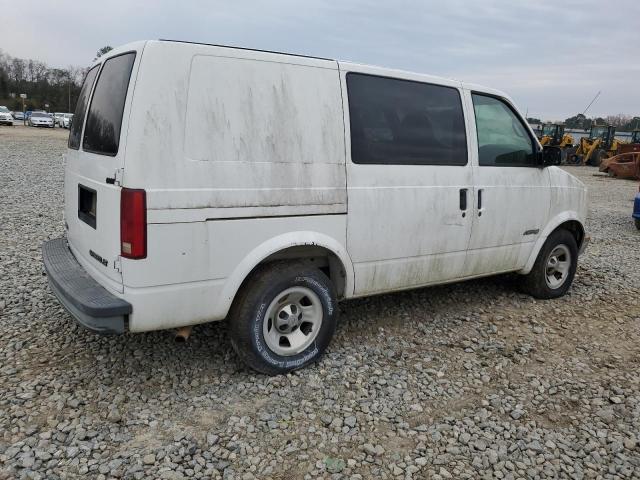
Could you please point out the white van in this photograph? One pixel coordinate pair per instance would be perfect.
(206, 182)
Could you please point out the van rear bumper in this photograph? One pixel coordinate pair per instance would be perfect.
(84, 298)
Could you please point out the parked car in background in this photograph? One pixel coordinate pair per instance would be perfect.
(279, 184)
(65, 120)
(57, 116)
(18, 115)
(5, 116)
(41, 119)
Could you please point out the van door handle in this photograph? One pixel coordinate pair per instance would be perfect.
(463, 200)
(480, 202)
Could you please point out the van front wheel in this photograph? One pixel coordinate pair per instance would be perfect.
(284, 317)
(555, 267)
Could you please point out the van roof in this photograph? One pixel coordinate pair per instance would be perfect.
(248, 49)
(390, 71)
(380, 70)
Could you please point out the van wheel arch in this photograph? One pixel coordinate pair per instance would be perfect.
(320, 257)
(571, 225)
(575, 228)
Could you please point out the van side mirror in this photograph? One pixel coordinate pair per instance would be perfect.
(550, 156)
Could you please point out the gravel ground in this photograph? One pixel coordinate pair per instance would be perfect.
(473, 380)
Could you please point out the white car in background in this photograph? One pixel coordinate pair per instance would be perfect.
(65, 120)
(5, 116)
(57, 117)
(41, 119)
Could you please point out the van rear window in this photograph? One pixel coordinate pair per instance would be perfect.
(81, 108)
(104, 120)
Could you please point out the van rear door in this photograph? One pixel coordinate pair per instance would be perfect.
(95, 164)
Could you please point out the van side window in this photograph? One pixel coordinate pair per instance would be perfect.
(104, 120)
(405, 122)
(503, 141)
(81, 108)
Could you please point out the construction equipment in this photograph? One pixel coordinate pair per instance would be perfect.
(553, 136)
(626, 162)
(599, 145)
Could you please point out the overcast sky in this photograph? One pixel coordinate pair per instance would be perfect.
(551, 56)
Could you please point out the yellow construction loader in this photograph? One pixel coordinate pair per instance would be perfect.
(598, 146)
(553, 135)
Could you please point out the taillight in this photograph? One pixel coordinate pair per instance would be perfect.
(133, 223)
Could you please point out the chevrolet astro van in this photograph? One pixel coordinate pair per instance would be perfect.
(206, 183)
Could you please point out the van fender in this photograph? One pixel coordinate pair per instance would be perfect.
(275, 245)
(554, 223)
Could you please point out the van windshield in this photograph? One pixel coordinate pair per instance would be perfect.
(81, 108)
(104, 120)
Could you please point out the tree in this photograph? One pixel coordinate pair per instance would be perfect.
(577, 121)
(43, 85)
(634, 124)
(102, 51)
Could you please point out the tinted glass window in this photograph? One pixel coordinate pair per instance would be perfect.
(502, 138)
(403, 122)
(102, 132)
(598, 132)
(81, 108)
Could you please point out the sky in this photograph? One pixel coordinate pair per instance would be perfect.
(551, 56)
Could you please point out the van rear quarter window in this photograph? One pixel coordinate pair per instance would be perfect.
(396, 121)
(104, 120)
(81, 108)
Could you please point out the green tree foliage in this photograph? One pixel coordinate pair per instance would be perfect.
(43, 85)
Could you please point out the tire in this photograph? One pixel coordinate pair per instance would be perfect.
(573, 159)
(261, 338)
(540, 282)
(597, 157)
(637, 222)
(563, 156)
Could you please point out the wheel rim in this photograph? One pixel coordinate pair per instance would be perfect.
(293, 321)
(558, 266)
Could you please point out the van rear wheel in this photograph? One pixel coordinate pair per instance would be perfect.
(284, 317)
(555, 267)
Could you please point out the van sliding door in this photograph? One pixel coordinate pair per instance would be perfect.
(409, 182)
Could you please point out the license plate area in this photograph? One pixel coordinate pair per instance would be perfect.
(87, 202)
